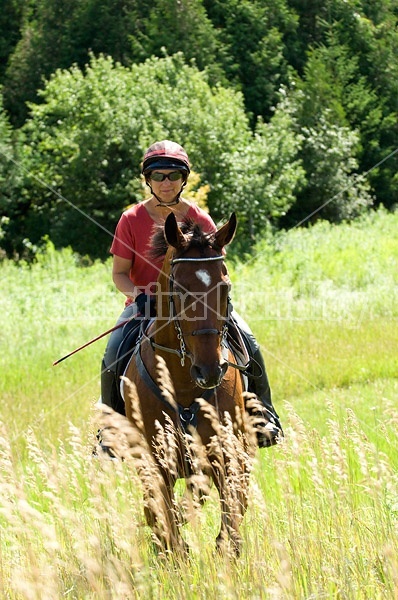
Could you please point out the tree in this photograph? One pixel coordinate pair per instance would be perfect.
(334, 189)
(357, 41)
(376, 46)
(44, 45)
(85, 141)
(253, 36)
(182, 26)
(59, 34)
(10, 21)
(6, 150)
(9, 179)
(268, 174)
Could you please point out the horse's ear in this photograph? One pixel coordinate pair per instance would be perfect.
(173, 233)
(226, 233)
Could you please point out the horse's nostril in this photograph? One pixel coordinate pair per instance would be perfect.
(196, 373)
(206, 378)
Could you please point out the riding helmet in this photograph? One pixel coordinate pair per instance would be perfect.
(166, 155)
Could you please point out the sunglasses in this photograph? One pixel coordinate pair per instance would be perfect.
(173, 176)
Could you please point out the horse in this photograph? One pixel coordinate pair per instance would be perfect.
(188, 335)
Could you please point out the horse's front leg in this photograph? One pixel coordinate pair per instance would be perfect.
(161, 513)
(232, 486)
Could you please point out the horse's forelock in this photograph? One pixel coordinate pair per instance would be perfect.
(195, 236)
(193, 233)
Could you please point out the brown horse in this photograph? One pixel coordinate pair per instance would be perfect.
(189, 333)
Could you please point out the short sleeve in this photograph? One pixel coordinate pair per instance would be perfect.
(123, 241)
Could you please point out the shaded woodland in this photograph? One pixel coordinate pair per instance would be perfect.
(287, 108)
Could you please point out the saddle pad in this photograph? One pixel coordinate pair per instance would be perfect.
(121, 388)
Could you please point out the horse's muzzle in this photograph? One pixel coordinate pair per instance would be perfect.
(207, 377)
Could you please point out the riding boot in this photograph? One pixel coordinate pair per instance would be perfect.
(109, 392)
(268, 427)
(109, 397)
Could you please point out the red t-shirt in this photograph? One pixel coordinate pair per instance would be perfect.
(132, 238)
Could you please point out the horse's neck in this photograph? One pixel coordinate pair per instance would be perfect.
(164, 334)
(180, 375)
(164, 329)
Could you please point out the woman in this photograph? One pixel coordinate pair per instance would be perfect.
(165, 168)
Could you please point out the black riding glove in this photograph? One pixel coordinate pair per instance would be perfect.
(146, 305)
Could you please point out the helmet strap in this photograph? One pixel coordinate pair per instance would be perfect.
(175, 201)
(161, 203)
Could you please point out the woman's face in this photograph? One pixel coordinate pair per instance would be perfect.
(171, 185)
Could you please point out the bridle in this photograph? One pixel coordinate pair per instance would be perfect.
(187, 415)
(182, 352)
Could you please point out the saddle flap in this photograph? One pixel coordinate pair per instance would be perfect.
(236, 345)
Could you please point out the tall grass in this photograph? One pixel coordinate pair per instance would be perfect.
(322, 523)
(323, 509)
(324, 303)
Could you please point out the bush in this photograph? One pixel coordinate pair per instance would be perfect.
(84, 143)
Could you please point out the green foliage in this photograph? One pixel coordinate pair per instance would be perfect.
(9, 178)
(372, 36)
(268, 175)
(354, 45)
(180, 26)
(10, 18)
(45, 44)
(85, 141)
(332, 62)
(237, 41)
(5, 144)
(57, 35)
(380, 139)
(331, 99)
(252, 35)
(334, 190)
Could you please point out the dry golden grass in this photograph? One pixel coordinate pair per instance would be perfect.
(322, 520)
(323, 506)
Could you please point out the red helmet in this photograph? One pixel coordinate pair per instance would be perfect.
(166, 155)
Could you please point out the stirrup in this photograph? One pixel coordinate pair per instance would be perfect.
(102, 448)
(268, 435)
(267, 431)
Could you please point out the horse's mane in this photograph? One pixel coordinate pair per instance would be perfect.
(193, 232)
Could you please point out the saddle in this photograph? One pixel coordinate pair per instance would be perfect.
(131, 333)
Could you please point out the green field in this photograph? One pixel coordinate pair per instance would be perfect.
(323, 512)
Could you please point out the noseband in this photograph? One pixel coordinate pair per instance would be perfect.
(182, 351)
